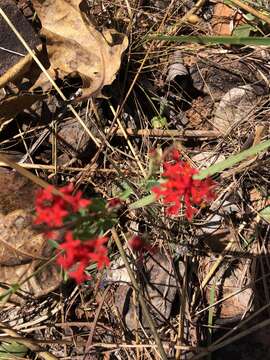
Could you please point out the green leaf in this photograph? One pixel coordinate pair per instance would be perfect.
(232, 40)
(232, 160)
(265, 213)
(150, 183)
(7, 349)
(125, 194)
(97, 205)
(228, 2)
(146, 200)
(249, 17)
(243, 30)
(159, 122)
(54, 244)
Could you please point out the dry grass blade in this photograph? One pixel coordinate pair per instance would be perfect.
(252, 11)
(28, 174)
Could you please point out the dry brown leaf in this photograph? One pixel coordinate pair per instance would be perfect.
(16, 192)
(236, 106)
(229, 279)
(75, 47)
(19, 243)
(13, 105)
(16, 71)
(22, 249)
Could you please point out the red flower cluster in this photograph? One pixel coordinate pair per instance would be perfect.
(180, 187)
(51, 209)
(81, 253)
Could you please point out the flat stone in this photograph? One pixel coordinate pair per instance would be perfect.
(11, 49)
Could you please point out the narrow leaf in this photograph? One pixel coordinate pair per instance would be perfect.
(232, 40)
(265, 213)
(7, 349)
(146, 200)
(232, 160)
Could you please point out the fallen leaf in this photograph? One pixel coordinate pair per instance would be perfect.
(14, 57)
(19, 243)
(17, 71)
(238, 104)
(75, 47)
(265, 213)
(13, 105)
(16, 192)
(205, 159)
(230, 278)
(12, 350)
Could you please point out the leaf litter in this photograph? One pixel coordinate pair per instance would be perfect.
(193, 88)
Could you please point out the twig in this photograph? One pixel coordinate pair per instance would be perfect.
(60, 168)
(94, 323)
(251, 10)
(145, 311)
(179, 134)
(28, 174)
(131, 346)
(216, 264)
(181, 324)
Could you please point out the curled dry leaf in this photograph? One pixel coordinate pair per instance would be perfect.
(17, 71)
(205, 159)
(75, 47)
(22, 249)
(13, 105)
(176, 66)
(223, 15)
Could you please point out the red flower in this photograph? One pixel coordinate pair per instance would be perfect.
(52, 209)
(139, 244)
(180, 188)
(80, 253)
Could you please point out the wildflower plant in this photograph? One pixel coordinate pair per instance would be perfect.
(77, 225)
